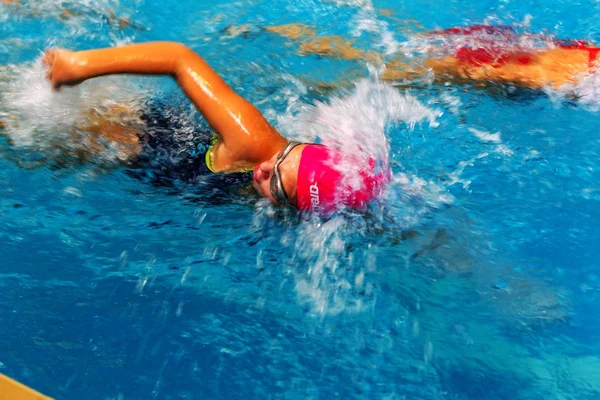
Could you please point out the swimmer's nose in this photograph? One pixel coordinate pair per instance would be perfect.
(255, 171)
(263, 171)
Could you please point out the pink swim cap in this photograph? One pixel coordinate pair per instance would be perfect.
(320, 187)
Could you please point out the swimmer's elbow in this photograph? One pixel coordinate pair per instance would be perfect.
(164, 57)
(184, 56)
(191, 67)
(179, 49)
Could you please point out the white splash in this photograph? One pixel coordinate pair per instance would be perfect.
(328, 280)
(486, 136)
(366, 20)
(29, 106)
(492, 138)
(456, 175)
(326, 285)
(38, 117)
(586, 91)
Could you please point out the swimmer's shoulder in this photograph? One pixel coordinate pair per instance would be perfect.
(220, 159)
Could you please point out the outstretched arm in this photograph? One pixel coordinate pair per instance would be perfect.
(245, 133)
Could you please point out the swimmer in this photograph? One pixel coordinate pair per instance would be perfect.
(498, 55)
(480, 53)
(287, 173)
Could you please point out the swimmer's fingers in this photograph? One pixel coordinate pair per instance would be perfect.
(60, 67)
(47, 60)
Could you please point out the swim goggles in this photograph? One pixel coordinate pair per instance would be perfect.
(277, 190)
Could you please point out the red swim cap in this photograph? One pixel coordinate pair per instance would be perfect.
(321, 187)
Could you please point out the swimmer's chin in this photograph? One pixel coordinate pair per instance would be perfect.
(257, 187)
(256, 176)
(255, 173)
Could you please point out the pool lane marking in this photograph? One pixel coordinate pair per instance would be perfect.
(13, 390)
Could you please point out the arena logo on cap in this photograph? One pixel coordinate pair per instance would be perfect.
(314, 195)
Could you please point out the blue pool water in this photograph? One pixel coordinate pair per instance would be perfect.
(475, 276)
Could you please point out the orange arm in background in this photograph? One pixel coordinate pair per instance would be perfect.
(553, 67)
(247, 138)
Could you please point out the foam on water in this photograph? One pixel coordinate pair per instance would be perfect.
(366, 20)
(586, 91)
(492, 138)
(97, 9)
(108, 21)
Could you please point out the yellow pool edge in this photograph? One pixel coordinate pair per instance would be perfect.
(13, 390)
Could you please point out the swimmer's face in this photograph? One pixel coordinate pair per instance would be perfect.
(265, 180)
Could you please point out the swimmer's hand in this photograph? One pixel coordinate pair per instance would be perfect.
(62, 67)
